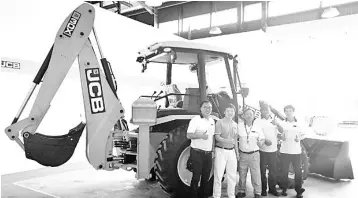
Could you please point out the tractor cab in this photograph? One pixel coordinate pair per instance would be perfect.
(194, 72)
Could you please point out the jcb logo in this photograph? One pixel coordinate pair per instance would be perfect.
(95, 92)
(71, 25)
(9, 64)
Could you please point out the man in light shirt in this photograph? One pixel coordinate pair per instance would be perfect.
(226, 152)
(201, 132)
(268, 151)
(251, 137)
(290, 150)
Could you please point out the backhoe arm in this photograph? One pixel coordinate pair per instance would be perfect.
(102, 107)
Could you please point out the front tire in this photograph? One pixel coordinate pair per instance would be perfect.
(170, 164)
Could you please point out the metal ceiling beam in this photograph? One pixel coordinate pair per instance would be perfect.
(118, 5)
(146, 7)
(164, 5)
(110, 6)
(126, 4)
(311, 15)
(93, 2)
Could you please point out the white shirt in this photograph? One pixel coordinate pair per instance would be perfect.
(249, 138)
(198, 124)
(291, 130)
(226, 130)
(270, 132)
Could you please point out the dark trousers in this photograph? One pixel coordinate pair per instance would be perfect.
(202, 163)
(296, 162)
(268, 159)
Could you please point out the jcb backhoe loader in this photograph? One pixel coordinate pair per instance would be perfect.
(158, 147)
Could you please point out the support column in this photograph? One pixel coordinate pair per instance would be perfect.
(180, 20)
(156, 18)
(264, 16)
(202, 77)
(240, 15)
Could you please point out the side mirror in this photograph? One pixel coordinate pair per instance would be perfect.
(144, 66)
(244, 91)
(193, 68)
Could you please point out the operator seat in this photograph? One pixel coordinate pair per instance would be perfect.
(191, 100)
(175, 101)
(220, 101)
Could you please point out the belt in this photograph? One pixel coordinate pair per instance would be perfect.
(202, 151)
(225, 148)
(251, 152)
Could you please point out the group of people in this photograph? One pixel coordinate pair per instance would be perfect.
(247, 145)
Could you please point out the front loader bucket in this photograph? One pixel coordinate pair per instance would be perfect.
(330, 158)
(52, 150)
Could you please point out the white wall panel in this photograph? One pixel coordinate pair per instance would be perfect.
(317, 59)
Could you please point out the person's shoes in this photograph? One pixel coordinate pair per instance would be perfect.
(299, 195)
(284, 192)
(241, 194)
(264, 193)
(274, 192)
(257, 196)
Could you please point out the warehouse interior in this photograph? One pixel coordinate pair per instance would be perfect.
(288, 52)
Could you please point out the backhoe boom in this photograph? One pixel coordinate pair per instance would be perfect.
(102, 107)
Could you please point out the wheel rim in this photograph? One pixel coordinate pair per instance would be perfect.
(184, 174)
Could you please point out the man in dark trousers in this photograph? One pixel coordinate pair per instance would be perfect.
(290, 150)
(201, 132)
(268, 151)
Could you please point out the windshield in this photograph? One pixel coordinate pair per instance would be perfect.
(156, 78)
(217, 78)
(184, 78)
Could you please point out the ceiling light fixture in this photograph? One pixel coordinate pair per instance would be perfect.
(330, 13)
(215, 30)
(154, 3)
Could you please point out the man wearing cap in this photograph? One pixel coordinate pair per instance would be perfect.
(251, 137)
(201, 132)
(268, 151)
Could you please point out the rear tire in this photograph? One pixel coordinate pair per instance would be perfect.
(151, 177)
(166, 163)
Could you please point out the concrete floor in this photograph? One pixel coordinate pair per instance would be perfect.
(78, 179)
(81, 180)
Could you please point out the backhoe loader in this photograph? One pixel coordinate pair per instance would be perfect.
(158, 147)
